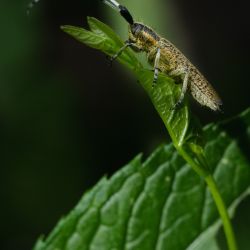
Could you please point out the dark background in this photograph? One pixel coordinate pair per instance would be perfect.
(67, 118)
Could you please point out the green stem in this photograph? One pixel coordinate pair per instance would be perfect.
(228, 229)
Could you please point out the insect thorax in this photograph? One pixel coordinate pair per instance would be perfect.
(143, 36)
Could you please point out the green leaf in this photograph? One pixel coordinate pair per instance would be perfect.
(101, 37)
(159, 203)
(155, 223)
(164, 95)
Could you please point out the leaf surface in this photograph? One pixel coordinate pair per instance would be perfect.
(159, 203)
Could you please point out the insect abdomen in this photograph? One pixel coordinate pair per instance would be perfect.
(203, 92)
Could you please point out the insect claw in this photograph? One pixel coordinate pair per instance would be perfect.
(153, 84)
(110, 60)
(176, 106)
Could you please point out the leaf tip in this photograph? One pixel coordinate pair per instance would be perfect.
(64, 28)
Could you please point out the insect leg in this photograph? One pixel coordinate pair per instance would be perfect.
(184, 84)
(156, 65)
(118, 53)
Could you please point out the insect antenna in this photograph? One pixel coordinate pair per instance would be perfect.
(31, 5)
(121, 9)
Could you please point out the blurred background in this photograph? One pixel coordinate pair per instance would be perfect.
(67, 118)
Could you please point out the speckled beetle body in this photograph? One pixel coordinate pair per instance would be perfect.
(166, 58)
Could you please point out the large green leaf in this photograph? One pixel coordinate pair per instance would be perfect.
(159, 203)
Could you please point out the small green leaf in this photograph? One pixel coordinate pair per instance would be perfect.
(103, 30)
(101, 37)
(89, 38)
(158, 204)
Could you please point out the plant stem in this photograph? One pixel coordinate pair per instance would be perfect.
(228, 229)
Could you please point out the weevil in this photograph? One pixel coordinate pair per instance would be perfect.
(166, 58)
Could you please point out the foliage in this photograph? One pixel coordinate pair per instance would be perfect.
(159, 203)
